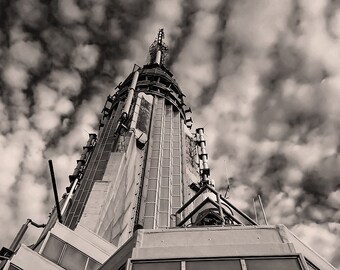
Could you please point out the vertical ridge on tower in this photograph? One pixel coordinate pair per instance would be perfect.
(141, 196)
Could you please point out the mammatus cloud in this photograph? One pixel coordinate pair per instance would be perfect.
(262, 76)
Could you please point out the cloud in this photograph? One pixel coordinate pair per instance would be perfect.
(70, 12)
(261, 76)
(59, 46)
(32, 12)
(27, 53)
(318, 235)
(15, 76)
(65, 82)
(85, 57)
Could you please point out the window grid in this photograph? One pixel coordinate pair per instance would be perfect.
(177, 161)
(231, 263)
(164, 190)
(93, 172)
(161, 103)
(59, 261)
(154, 175)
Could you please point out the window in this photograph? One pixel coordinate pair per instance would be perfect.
(311, 266)
(214, 265)
(157, 266)
(249, 263)
(92, 265)
(13, 267)
(67, 256)
(273, 263)
(163, 219)
(149, 209)
(73, 259)
(152, 184)
(53, 248)
(151, 196)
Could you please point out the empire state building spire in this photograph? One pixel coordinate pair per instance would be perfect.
(158, 49)
(141, 196)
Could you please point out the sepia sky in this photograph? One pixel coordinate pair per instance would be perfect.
(262, 77)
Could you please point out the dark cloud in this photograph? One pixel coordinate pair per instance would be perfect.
(261, 75)
(221, 43)
(187, 19)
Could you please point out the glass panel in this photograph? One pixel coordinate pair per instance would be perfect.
(277, 264)
(93, 265)
(176, 152)
(176, 178)
(176, 145)
(53, 249)
(177, 161)
(311, 266)
(151, 196)
(166, 162)
(216, 265)
(73, 259)
(156, 146)
(148, 222)
(152, 183)
(98, 175)
(106, 147)
(176, 189)
(13, 267)
(163, 219)
(164, 193)
(164, 205)
(154, 162)
(105, 155)
(144, 116)
(157, 134)
(157, 130)
(150, 209)
(176, 137)
(153, 172)
(101, 164)
(157, 266)
(177, 169)
(165, 181)
(166, 145)
(176, 201)
(155, 154)
(158, 123)
(165, 170)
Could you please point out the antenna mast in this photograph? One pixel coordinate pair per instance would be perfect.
(158, 50)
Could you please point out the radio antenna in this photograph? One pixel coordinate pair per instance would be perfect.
(228, 182)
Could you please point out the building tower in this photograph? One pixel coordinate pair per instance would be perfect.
(141, 196)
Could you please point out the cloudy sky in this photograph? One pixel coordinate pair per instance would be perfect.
(262, 76)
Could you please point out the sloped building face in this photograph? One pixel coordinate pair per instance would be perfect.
(140, 169)
(141, 197)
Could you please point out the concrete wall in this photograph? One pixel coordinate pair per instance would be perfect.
(211, 242)
(27, 259)
(85, 241)
(110, 210)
